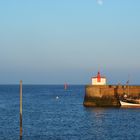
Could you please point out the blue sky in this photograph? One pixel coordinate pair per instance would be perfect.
(57, 41)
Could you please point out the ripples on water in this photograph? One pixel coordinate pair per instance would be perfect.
(52, 113)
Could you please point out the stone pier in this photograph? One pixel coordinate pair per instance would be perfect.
(108, 95)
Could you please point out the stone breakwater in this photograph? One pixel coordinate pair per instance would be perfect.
(109, 95)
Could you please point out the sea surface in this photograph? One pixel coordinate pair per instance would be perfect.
(52, 113)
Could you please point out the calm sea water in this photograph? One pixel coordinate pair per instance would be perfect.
(52, 113)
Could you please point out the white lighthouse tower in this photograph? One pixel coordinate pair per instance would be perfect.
(98, 80)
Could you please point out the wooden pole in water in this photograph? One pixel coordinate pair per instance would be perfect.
(20, 109)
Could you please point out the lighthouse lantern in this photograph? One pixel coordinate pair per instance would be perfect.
(99, 80)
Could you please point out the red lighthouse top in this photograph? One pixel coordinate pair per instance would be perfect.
(98, 77)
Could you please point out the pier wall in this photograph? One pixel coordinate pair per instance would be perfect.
(108, 95)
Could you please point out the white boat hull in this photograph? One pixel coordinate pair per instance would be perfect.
(126, 104)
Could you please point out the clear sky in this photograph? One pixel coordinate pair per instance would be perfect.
(57, 41)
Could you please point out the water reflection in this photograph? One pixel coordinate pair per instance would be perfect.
(20, 138)
(97, 112)
(101, 121)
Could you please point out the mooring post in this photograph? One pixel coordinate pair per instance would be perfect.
(20, 109)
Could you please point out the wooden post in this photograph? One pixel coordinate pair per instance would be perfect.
(20, 109)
